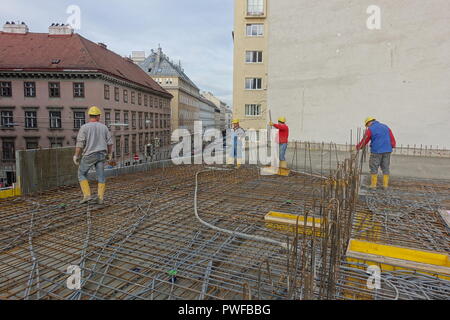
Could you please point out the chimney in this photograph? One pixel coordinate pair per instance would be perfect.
(12, 27)
(138, 56)
(57, 29)
(104, 46)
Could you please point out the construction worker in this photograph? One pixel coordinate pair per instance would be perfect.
(237, 135)
(283, 137)
(95, 140)
(382, 142)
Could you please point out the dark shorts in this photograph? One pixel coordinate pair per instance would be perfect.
(378, 160)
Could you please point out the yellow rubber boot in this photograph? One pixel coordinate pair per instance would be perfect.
(374, 180)
(101, 192)
(385, 181)
(238, 163)
(86, 191)
(283, 164)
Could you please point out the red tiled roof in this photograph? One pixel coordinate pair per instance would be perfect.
(35, 52)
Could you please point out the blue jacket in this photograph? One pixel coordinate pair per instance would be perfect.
(380, 136)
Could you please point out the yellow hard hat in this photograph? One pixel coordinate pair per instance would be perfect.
(368, 120)
(235, 121)
(94, 111)
(282, 119)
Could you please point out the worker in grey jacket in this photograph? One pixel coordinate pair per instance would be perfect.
(94, 139)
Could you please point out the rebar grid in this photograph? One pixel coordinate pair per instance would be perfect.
(146, 243)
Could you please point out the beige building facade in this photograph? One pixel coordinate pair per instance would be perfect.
(187, 101)
(331, 64)
(250, 63)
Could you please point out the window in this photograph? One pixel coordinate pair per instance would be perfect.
(141, 142)
(253, 56)
(5, 89)
(140, 120)
(255, 30)
(126, 145)
(118, 150)
(56, 142)
(8, 150)
(133, 97)
(160, 103)
(125, 96)
(29, 89)
(117, 119)
(55, 119)
(156, 121)
(31, 119)
(116, 94)
(252, 109)
(255, 7)
(145, 100)
(139, 98)
(78, 119)
(146, 121)
(54, 90)
(78, 90)
(31, 143)
(6, 119)
(125, 119)
(106, 92)
(133, 143)
(253, 83)
(151, 120)
(107, 118)
(151, 102)
(133, 120)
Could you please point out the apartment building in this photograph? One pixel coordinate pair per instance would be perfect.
(327, 65)
(221, 116)
(49, 80)
(186, 103)
(250, 63)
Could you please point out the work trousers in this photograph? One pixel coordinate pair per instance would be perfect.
(378, 160)
(97, 160)
(283, 148)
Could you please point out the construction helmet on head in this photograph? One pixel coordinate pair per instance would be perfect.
(368, 120)
(94, 111)
(282, 119)
(235, 121)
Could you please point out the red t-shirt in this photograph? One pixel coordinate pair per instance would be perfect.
(283, 132)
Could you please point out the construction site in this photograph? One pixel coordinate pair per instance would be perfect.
(198, 232)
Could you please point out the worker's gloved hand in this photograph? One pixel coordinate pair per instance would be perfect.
(109, 157)
(76, 160)
(271, 123)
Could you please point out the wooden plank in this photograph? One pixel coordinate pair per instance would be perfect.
(289, 218)
(408, 258)
(412, 265)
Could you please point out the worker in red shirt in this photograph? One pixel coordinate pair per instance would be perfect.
(283, 137)
(382, 142)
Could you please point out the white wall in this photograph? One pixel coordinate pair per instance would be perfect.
(328, 71)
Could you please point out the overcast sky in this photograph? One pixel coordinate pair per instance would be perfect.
(197, 32)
